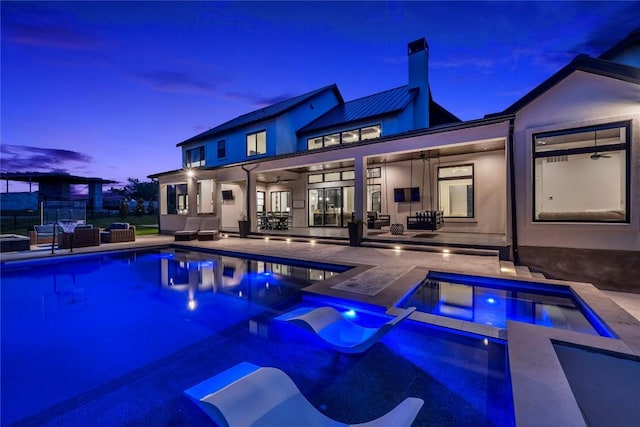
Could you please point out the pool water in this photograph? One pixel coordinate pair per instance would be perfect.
(495, 301)
(114, 339)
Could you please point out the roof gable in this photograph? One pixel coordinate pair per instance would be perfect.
(262, 114)
(580, 63)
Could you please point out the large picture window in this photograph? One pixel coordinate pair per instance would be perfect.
(455, 191)
(582, 175)
(257, 143)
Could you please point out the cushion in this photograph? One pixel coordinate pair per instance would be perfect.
(118, 226)
(44, 229)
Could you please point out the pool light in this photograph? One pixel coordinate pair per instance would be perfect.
(350, 313)
(192, 304)
(490, 300)
(486, 341)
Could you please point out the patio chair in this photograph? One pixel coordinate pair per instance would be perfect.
(209, 229)
(190, 230)
(41, 234)
(118, 232)
(341, 334)
(250, 395)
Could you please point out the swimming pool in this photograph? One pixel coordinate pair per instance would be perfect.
(493, 301)
(114, 339)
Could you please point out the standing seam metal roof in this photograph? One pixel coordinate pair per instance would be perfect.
(374, 105)
(262, 114)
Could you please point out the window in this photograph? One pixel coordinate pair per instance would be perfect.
(351, 136)
(174, 199)
(260, 201)
(374, 199)
(345, 137)
(582, 175)
(374, 173)
(348, 175)
(332, 176)
(194, 157)
(280, 201)
(315, 178)
(455, 191)
(257, 143)
(333, 139)
(370, 132)
(314, 143)
(222, 149)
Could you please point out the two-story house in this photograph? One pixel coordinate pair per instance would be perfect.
(551, 181)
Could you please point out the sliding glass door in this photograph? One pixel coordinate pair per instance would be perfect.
(328, 206)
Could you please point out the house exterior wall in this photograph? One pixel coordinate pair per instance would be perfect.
(281, 133)
(390, 125)
(568, 105)
(605, 254)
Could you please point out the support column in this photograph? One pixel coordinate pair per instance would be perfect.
(192, 195)
(360, 191)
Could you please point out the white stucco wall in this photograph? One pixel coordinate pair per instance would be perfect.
(582, 99)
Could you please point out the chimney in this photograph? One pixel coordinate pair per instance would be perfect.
(419, 79)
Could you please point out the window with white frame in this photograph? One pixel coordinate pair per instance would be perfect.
(256, 143)
(194, 157)
(456, 190)
(582, 175)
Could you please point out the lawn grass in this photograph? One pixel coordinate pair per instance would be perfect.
(141, 223)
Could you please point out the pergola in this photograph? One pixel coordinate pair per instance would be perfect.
(57, 185)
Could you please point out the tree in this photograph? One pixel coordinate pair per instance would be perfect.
(139, 209)
(124, 208)
(134, 189)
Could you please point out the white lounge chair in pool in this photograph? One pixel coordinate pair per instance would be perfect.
(250, 395)
(340, 333)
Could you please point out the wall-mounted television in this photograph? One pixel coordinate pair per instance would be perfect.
(407, 194)
(227, 194)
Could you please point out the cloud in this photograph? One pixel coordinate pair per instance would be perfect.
(23, 158)
(257, 100)
(35, 25)
(173, 81)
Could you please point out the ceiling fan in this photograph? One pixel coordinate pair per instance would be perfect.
(597, 155)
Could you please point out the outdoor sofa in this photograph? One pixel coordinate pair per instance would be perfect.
(118, 232)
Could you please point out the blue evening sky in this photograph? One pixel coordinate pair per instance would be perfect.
(107, 89)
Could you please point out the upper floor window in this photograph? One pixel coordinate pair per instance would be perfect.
(582, 175)
(257, 143)
(194, 157)
(455, 191)
(345, 137)
(222, 149)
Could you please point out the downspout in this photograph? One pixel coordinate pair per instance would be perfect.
(512, 189)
